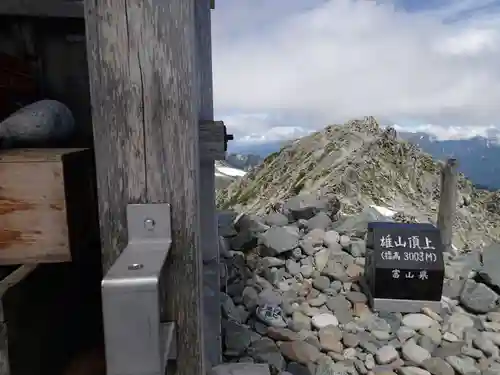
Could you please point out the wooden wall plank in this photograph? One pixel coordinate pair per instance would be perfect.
(46, 202)
(171, 106)
(212, 133)
(117, 119)
(209, 227)
(145, 98)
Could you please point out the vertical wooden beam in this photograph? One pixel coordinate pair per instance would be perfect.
(146, 103)
(448, 202)
(171, 115)
(209, 228)
(117, 119)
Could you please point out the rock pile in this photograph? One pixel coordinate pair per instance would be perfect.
(292, 302)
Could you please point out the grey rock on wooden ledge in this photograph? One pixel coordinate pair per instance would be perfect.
(37, 124)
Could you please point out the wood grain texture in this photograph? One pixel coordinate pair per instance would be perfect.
(145, 99)
(171, 111)
(211, 148)
(116, 93)
(34, 210)
(212, 133)
(448, 202)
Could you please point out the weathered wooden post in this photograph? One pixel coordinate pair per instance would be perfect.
(209, 228)
(150, 89)
(448, 202)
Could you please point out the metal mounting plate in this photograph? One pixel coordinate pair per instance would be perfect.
(137, 341)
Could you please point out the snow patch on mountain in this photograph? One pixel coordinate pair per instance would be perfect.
(384, 211)
(223, 169)
(225, 174)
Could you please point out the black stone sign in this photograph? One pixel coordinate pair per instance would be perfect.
(404, 261)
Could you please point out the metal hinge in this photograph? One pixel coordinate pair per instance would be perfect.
(137, 341)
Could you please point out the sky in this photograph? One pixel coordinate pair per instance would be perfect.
(284, 68)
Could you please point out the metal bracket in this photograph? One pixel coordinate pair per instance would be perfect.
(137, 341)
(227, 138)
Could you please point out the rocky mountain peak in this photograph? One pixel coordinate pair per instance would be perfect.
(367, 124)
(362, 164)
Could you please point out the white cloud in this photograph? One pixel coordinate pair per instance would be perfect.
(262, 127)
(452, 132)
(469, 42)
(339, 59)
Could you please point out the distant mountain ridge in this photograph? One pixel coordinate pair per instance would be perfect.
(243, 161)
(478, 157)
(261, 149)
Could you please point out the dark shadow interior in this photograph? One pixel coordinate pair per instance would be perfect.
(57, 316)
(45, 58)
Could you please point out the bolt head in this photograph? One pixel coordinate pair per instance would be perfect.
(135, 266)
(149, 224)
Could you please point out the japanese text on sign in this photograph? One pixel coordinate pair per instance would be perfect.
(420, 275)
(412, 242)
(416, 256)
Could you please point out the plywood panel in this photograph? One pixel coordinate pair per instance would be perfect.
(34, 191)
